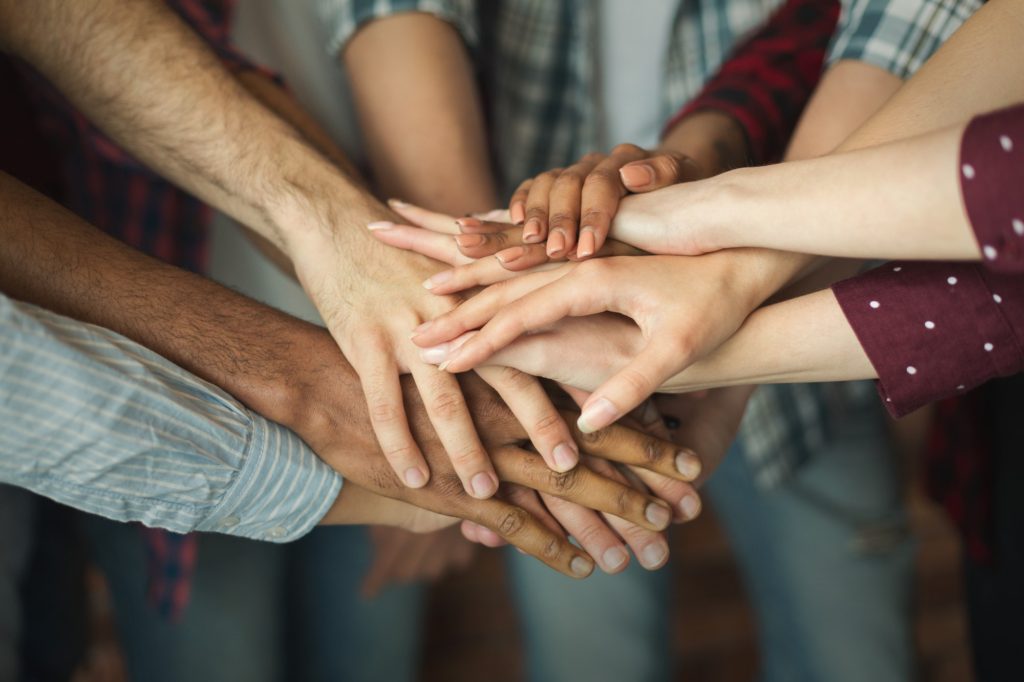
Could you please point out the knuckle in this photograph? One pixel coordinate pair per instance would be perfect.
(399, 453)
(550, 175)
(384, 412)
(603, 177)
(551, 550)
(564, 482)
(653, 452)
(447, 485)
(594, 439)
(467, 456)
(626, 148)
(548, 422)
(514, 379)
(570, 176)
(561, 217)
(636, 381)
(446, 405)
(592, 158)
(512, 522)
(625, 502)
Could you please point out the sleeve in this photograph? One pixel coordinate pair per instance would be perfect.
(897, 36)
(344, 18)
(934, 330)
(767, 81)
(97, 422)
(991, 172)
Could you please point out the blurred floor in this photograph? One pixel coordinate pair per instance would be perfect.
(472, 632)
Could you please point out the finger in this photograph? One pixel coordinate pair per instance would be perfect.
(667, 168)
(496, 215)
(582, 486)
(535, 229)
(681, 496)
(564, 208)
(602, 190)
(438, 246)
(649, 547)
(485, 271)
(532, 407)
(523, 257)
(517, 204)
(518, 527)
(483, 244)
(379, 376)
(592, 533)
(449, 415)
(481, 225)
(482, 307)
(421, 217)
(628, 387)
(617, 443)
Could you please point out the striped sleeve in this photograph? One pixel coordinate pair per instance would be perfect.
(344, 18)
(95, 421)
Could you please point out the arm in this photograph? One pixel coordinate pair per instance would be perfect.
(134, 68)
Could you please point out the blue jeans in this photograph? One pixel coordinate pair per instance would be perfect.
(826, 558)
(16, 527)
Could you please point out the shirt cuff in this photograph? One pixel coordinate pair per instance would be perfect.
(897, 36)
(344, 19)
(991, 165)
(931, 330)
(281, 491)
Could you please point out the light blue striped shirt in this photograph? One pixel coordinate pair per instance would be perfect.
(96, 421)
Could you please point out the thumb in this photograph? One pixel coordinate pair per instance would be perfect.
(662, 170)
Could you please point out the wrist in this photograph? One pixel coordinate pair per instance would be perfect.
(714, 140)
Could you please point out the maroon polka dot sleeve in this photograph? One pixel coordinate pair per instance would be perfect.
(992, 186)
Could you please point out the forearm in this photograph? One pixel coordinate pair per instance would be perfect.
(137, 71)
(800, 340)
(421, 114)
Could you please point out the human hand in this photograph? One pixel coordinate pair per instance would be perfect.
(401, 557)
(583, 197)
(676, 333)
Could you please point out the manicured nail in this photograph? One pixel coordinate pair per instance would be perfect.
(397, 203)
(613, 558)
(422, 328)
(658, 516)
(510, 255)
(517, 212)
(531, 231)
(639, 175)
(439, 278)
(470, 223)
(580, 566)
(597, 415)
(690, 506)
(586, 244)
(483, 485)
(654, 555)
(565, 456)
(556, 243)
(688, 465)
(414, 478)
(451, 356)
(435, 355)
(380, 225)
(469, 240)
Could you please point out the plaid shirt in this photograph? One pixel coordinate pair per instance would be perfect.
(537, 63)
(108, 187)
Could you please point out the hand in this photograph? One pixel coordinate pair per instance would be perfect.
(323, 414)
(647, 290)
(586, 195)
(401, 557)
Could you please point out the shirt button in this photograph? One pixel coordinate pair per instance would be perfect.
(278, 532)
(230, 522)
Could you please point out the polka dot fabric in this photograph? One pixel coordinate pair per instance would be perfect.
(992, 186)
(933, 330)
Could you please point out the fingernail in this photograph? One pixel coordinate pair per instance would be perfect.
(597, 415)
(414, 478)
(580, 566)
(510, 255)
(556, 242)
(483, 485)
(565, 456)
(423, 327)
(639, 175)
(435, 355)
(397, 203)
(517, 212)
(586, 244)
(653, 555)
(690, 506)
(531, 231)
(613, 558)
(439, 278)
(688, 465)
(468, 222)
(380, 225)
(658, 515)
(469, 240)
(451, 356)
